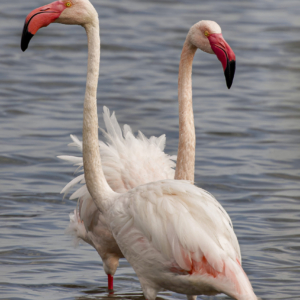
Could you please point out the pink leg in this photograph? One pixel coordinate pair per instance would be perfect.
(110, 282)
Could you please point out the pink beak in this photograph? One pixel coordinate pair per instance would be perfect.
(225, 55)
(38, 18)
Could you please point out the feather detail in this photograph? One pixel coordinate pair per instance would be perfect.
(186, 215)
(127, 162)
(66, 189)
(76, 228)
(173, 227)
(77, 161)
(76, 142)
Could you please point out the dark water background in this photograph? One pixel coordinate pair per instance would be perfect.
(248, 138)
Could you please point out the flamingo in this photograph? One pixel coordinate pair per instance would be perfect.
(129, 161)
(119, 159)
(175, 235)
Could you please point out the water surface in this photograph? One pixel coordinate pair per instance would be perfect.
(248, 137)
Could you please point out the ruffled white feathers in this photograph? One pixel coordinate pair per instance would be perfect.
(174, 228)
(169, 228)
(127, 162)
(130, 161)
(178, 215)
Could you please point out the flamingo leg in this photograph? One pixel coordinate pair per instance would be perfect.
(110, 280)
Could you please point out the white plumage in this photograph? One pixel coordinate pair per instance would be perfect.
(176, 235)
(128, 161)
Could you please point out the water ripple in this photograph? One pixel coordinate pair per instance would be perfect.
(248, 142)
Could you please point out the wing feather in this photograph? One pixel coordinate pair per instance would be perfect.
(181, 221)
(77, 179)
(127, 161)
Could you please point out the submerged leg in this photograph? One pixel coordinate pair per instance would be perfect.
(190, 297)
(110, 279)
(110, 265)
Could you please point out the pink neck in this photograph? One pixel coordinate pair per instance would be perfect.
(94, 176)
(185, 166)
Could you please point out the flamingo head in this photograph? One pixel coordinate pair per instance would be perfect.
(73, 12)
(207, 36)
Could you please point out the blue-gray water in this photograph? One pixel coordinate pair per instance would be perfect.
(248, 138)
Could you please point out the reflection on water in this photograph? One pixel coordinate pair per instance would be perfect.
(247, 138)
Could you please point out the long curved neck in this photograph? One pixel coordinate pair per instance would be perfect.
(185, 166)
(94, 176)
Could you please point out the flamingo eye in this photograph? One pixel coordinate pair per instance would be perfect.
(68, 4)
(206, 33)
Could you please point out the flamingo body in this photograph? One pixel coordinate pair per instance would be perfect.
(128, 161)
(178, 237)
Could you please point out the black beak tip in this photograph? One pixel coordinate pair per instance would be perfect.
(229, 73)
(23, 46)
(26, 37)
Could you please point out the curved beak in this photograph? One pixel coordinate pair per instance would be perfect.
(38, 18)
(225, 55)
